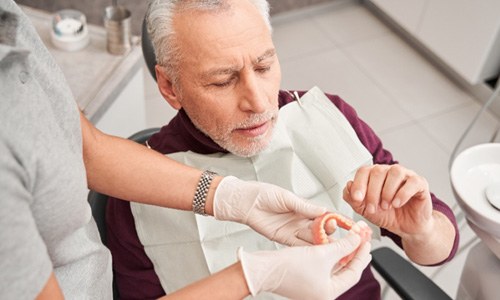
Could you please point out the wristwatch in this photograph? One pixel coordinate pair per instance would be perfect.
(200, 196)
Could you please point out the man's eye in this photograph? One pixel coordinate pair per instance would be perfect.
(263, 69)
(223, 84)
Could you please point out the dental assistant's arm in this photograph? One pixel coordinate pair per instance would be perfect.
(126, 170)
(227, 284)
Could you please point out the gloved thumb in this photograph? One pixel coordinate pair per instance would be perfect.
(348, 275)
(346, 245)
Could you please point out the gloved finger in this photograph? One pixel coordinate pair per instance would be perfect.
(363, 253)
(330, 226)
(346, 245)
(305, 237)
(361, 259)
(297, 242)
(348, 276)
(303, 207)
(306, 234)
(296, 232)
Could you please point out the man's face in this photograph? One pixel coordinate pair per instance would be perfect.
(229, 76)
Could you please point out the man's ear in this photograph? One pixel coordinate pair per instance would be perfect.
(166, 88)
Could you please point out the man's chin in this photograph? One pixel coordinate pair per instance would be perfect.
(247, 151)
(244, 146)
(249, 148)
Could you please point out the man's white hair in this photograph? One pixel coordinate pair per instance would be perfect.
(159, 21)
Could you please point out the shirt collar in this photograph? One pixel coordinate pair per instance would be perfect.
(8, 28)
(8, 35)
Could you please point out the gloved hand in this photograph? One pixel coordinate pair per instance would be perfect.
(309, 272)
(270, 210)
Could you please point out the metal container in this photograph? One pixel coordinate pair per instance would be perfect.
(117, 21)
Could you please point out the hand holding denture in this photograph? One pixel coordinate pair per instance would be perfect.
(272, 211)
(392, 197)
(308, 272)
(331, 220)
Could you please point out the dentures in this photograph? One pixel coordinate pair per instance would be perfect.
(338, 220)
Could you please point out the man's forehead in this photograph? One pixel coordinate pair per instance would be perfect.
(231, 68)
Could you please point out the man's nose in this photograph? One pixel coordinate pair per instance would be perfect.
(253, 97)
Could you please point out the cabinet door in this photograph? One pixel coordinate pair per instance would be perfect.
(465, 34)
(406, 13)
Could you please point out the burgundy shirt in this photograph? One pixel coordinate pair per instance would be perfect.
(134, 272)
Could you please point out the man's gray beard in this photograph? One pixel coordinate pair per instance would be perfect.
(253, 148)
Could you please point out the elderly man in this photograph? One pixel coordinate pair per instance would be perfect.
(217, 65)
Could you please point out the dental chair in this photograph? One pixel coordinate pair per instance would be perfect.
(400, 274)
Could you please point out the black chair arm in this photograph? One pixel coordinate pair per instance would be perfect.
(403, 277)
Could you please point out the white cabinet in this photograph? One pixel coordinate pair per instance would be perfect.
(464, 34)
(407, 13)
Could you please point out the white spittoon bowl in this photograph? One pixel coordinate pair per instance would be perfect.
(475, 179)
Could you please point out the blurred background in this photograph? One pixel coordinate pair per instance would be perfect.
(94, 12)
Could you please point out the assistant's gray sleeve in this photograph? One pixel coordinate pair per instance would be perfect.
(25, 265)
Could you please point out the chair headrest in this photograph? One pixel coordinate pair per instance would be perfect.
(148, 50)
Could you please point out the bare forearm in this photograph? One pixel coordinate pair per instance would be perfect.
(226, 284)
(434, 245)
(124, 169)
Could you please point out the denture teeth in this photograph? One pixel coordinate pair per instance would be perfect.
(320, 223)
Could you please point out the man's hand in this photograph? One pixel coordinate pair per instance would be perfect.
(393, 198)
(399, 200)
(268, 209)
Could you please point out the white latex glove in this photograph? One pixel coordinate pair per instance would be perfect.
(308, 272)
(272, 211)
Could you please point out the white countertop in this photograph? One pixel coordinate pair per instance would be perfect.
(95, 77)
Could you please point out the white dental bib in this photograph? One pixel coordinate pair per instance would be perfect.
(313, 153)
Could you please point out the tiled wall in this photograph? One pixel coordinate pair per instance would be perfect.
(94, 9)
